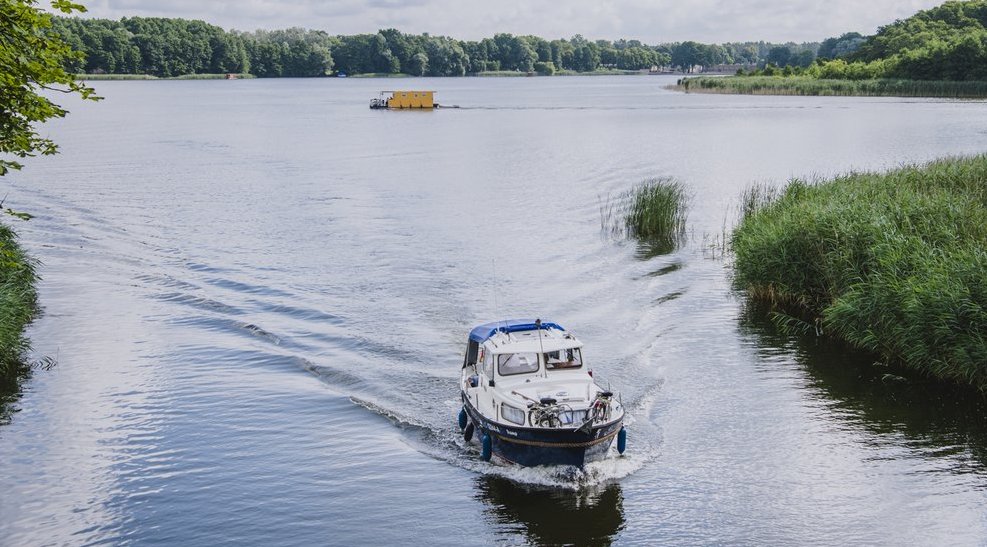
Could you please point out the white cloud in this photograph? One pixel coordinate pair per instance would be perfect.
(651, 21)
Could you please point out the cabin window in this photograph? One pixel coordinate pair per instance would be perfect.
(488, 365)
(564, 358)
(516, 363)
(511, 414)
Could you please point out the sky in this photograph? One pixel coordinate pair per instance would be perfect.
(651, 21)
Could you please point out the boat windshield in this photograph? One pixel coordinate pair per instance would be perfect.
(516, 363)
(564, 358)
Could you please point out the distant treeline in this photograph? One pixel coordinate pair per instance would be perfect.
(171, 47)
(945, 43)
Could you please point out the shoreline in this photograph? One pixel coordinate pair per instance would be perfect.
(486, 74)
(111, 77)
(812, 87)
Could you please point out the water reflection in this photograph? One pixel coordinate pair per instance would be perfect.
(648, 249)
(10, 392)
(936, 420)
(548, 516)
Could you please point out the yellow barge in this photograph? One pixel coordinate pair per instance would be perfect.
(405, 99)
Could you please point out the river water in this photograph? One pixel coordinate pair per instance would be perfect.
(258, 292)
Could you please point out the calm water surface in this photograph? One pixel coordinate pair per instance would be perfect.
(257, 294)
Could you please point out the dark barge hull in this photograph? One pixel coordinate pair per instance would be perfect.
(530, 446)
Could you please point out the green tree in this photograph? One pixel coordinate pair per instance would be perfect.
(418, 64)
(780, 56)
(514, 53)
(687, 55)
(32, 60)
(840, 46)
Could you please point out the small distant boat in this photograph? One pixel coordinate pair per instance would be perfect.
(421, 100)
(530, 398)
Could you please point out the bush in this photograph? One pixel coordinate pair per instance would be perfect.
(545, 68)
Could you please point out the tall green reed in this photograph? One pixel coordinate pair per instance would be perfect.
(893, 263)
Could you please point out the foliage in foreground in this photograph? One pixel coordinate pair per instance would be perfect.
(17, 301)
(893, 263)
(800, 85)
(32, 58)
(32, 65)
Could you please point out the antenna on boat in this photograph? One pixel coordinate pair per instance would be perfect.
(496, 282)
(540, 346)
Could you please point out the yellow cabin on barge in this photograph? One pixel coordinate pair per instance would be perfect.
(405, 99)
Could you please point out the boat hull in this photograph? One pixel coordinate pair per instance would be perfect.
(528, 446)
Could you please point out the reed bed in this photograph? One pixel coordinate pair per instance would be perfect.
(17, 301)
(654, 212)
(803, 85)
(893, 263)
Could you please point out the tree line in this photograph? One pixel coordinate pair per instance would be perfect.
(168, 47)
(947, 43)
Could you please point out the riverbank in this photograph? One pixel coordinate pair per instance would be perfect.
(485, 74)
(891, 263)
(18, 301)
(106, 77)
(803, 85)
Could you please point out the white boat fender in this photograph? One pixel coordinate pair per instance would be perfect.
(486, 447)
(622, 440)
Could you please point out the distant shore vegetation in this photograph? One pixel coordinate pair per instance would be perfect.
(940, 52)
(169, 47)
(803, 85)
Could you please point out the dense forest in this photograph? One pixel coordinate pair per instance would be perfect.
(948, 42)
(172, 47)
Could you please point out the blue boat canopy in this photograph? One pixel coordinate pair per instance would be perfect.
(483, 332)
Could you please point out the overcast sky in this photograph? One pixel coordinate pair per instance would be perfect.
(651, 21)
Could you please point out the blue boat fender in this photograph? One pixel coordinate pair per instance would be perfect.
(487, 447)
(621, 440)
(462, 418)
(468, 432)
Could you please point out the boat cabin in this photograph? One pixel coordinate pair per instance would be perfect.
(520, 363)
(509, 348)
(405, 99)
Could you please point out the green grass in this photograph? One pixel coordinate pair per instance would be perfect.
(105, 77)
(380, 75)
(17, 301)
(892, 263)
(209, 77)
(804, 85)
(560, 72)
(600, 72)
(502, 73)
